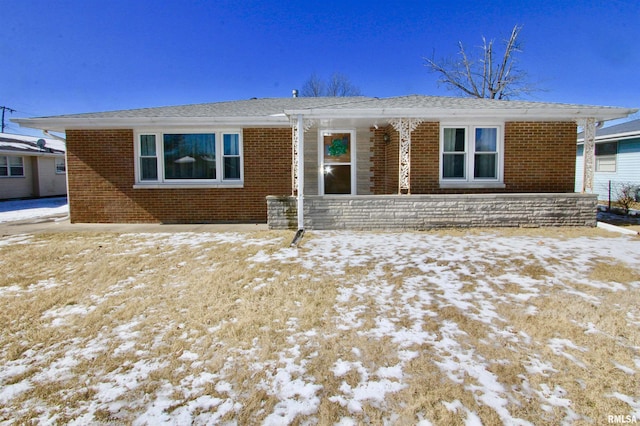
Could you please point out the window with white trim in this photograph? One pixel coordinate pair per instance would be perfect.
(189, 158)
(11, 166)
(471, 155)
(606, 157)
(61, 166)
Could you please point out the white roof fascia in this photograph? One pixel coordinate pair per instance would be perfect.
(30, 153)
(550, 113)
(615, 136)
(62, 124)
(546, 114)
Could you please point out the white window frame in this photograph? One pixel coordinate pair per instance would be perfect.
(162, 182)
(469, 181)
(60, 161)
(604, 161)
(322, 164)
(8, 161)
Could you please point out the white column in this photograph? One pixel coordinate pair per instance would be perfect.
(300, 180)
(404, 126)
(589, 154)
(294, 158)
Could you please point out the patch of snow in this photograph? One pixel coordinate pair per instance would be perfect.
(624, 368)
(12, 211)
(558, 346)
(633, 402)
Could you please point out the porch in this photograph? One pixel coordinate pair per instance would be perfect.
(419, 212)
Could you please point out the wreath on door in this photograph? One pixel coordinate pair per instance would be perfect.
(338, 147)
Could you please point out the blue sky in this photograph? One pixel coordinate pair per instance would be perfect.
(61, 57)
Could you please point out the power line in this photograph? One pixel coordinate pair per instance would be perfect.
(4, 108)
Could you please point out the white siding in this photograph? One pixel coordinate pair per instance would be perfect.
(18, 186)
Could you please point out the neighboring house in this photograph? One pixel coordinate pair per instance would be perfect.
(617, 159)
(403, 162)
(31, 167)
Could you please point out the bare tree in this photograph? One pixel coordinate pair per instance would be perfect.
(491, 75)
(337, 85)
(313, 87)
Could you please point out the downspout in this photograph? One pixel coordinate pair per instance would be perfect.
(300, 231)
(66, 163)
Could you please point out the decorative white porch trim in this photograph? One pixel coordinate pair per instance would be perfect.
(295, 139)
(404, 126)
(589, 154)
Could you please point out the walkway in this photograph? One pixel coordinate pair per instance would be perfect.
(61, 224)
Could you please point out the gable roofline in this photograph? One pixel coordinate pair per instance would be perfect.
(276, 112)
(626, 130)
(11, 144)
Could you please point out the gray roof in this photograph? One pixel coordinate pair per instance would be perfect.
(260, 107)
(627, 128)
(360, 110)
(29, 144)
(244, 108)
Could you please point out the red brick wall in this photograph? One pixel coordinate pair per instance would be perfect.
(379, 175)
(425, 147)
(101, 178)
(538, 157)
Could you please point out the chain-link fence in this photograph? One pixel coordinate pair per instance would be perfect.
(624, 195)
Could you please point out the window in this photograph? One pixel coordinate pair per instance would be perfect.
(231, 155)
(61, 167)
(606, 154)
(471, 155)
(11, 166)
(189, 158)
(454, 155)
(148, 158)
(337, 162)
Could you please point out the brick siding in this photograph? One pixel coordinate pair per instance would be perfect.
(538, 157)
(101, 180)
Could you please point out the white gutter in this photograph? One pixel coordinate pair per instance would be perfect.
(88, 121)
(533, 114)
(60, 138)
(615, 136)
(33, 153)
(62, 124)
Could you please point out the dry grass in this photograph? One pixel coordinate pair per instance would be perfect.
(107, 328)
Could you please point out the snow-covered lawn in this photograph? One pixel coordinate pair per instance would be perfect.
(451, 327)
(11, 211)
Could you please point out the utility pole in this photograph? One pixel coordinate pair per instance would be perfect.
(4, 108)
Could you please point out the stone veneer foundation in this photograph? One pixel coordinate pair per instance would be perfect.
(416, 212)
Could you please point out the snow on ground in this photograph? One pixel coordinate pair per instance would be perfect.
(15, 210)
(334, 252)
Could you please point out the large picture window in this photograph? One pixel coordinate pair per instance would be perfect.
(11, 166)
(183, 158)
(189, 156)
(470, 155)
